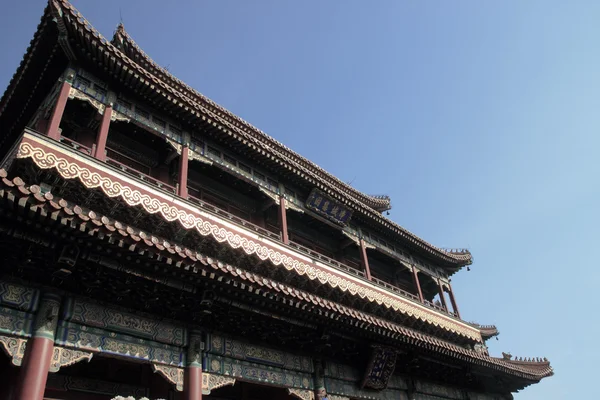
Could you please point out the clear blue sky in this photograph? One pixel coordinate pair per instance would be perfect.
(479, 119)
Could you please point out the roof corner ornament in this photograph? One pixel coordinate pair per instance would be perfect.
(506, 356)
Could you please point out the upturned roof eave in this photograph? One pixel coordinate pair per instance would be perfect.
(241, 127)
(532, 370)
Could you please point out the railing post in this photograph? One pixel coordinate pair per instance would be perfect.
(442, 297)
(102, 136)
(57, 113)
(453, 300)
(283, 227)
(364, 259)
(183, 172)
(415, 272)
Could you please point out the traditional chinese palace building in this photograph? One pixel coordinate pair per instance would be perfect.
(154, 245)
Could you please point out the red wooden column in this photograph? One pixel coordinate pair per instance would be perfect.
(192, 387)
(283, 221)
(103, 134)
(417, 283)
(453, 300)
(57, 112)
(442, 297)
(364, 259)
(183, 171)
(38, 353)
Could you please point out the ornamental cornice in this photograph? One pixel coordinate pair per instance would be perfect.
(48, 154)
(172, 374)
(211, 382)
(63, 357)
(14, 348)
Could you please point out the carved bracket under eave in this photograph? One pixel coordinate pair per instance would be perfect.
(14, 348)
(63, 357)
(212, 381)
(77, 94)
(302, 394)
(172, 374)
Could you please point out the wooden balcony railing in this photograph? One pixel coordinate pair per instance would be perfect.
(77, 146)
(140, 175)
(395, 289)
(233, 218)
(205, 206)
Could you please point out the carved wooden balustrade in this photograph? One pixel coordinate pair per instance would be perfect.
(210, 208)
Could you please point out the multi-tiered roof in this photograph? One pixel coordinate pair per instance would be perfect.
(63, 37)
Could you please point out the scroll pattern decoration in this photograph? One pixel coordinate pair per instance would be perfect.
(302, 394)
(212, 381)
(172, 374)
(14, 347)
(63, 357)
(205, 227)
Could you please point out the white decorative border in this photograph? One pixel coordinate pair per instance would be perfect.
(224, 231)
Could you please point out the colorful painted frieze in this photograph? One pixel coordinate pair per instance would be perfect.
(15, 322)
(257, 372)
(95, 315)
(439, 390)
(228, 347)
(18, 297)
(101, 341)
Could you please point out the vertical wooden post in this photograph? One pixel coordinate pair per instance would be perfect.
(453, 300)
(193, 373)
(183, 171)
(283, 227)
(442, 297)
(57, 113)
(364, 259)
(38, 353)
(417, 283)
(102, 136)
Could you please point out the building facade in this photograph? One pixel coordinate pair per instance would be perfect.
(157, 246)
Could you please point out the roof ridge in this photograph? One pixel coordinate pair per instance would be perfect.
(383, 201)
(460, 259)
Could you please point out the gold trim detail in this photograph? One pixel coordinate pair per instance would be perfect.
(212, 381)
(174, 145)
(172, 374)
(79, 95)
(302, 394)
(63, 357)
(14, 347)
(220, 232)
(117, 116)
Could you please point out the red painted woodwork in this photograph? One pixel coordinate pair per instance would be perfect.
(183, 172)
(103, 134)
(364, 259)
(453, 300)
(34, 370)
(193, 383)
(57, 113)
(283, 227)
(442, 296)
(417, 284)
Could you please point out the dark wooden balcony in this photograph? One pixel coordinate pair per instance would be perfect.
(121, 165)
